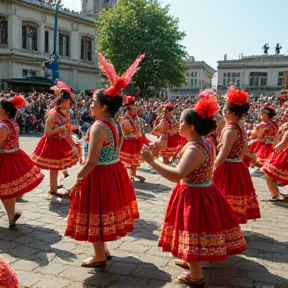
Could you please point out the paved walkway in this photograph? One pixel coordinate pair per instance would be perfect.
(43, 258)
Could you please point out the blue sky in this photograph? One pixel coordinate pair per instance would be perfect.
(217, 27)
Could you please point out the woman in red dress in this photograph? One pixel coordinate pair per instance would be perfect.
(105, 206)
(8, 279)
(264, 135)
(18, 174)
(231, 175)
(276, 168)
(131, 139)
(56, 149)
(199, 224)
(166, 128)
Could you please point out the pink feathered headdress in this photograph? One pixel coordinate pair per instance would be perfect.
(119, 83)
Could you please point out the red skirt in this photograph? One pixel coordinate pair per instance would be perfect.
(8, 279)
(235, 183)
(18, 174)
(200, 225)
(173, 145)
(262, 150)
(106, 206)
(55, 154)
(130, 152)
(277, 167)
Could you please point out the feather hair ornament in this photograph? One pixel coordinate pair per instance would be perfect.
(237, 97)
(206, 94)
(118, 83)
(129, 99)
(206, 107)
(18, 102)
(169, 105)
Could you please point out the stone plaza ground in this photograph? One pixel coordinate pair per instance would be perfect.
(43, 258)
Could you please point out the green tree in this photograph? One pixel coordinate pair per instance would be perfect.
(133, 27)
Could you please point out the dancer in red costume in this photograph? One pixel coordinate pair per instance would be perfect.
(56, 149)
(105, 206)
(231, 175)
(8, 279)
(165, 128)
(276, 168)
(131, 139)
(199, 224)
(18, 174)
(264, 135)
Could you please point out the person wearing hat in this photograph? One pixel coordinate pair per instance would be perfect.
(131, 138)
(166, 129)
(56, 150)
(18, 174)
(231, 175)
(264, 135)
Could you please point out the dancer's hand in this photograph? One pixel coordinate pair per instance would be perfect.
(147, 155)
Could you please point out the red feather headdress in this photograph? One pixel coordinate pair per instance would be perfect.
(128, 100)
(18, 102)
(169, 105)
(62, 87)
(207, 94)
(237, 97)
(206, 107)
(119, 83)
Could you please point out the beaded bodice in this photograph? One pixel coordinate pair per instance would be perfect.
(204, 173)
(130, 127)
(238, 146)
(109, 152)
(12, 140)
(60, 118)
(266, 130)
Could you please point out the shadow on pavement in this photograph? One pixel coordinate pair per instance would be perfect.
(128, 272)
(33, 243)
(61, 208)
(153, 187)
(263, 247)
(144, 229)
(240, 272)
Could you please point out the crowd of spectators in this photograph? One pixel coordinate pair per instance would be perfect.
(31, 118)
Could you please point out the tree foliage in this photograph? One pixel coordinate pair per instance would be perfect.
(133, 27)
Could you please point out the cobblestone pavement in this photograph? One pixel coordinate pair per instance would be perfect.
(43, 258)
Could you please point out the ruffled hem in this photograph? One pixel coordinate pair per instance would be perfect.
(22, 185)
(279, 175)
(105, 227)
(52, 164)
(195, 247)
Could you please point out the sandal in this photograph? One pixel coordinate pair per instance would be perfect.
(66, 195)
(141, 178)
(108, 255)
(97, 264)
(182, 263)
(17, 215)
(184, 278)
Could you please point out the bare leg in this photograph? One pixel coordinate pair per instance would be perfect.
(272, 186)
(9, 205)
(165, 160)
(99, 253)
(53, 180)
(133, 170)
(195, 270)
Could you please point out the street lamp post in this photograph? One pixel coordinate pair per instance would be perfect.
(53, 62)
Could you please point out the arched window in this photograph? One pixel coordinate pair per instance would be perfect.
(29, 36)
(3, 30)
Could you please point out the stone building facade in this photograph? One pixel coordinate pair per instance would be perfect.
(26, 41)
(260, 74)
